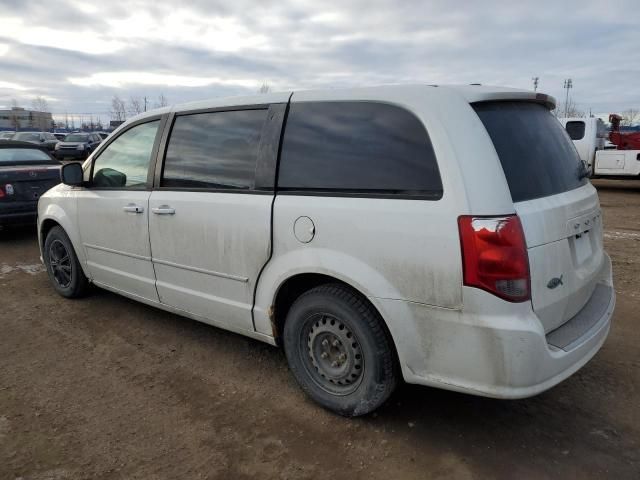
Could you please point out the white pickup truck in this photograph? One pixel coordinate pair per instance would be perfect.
(589, 135)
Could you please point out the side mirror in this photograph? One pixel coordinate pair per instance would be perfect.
(71, 174)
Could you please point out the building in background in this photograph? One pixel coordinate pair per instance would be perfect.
(19, 118)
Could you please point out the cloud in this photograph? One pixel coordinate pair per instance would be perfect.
(124, 79)
(81, 55)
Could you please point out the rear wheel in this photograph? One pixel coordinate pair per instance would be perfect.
(339, 351)
(62, 264)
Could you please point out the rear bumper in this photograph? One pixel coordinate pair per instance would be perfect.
(505, 354)
(15, 213)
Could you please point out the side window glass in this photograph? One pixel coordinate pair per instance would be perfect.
(357, 147)
(575, 130)
(216, 150)
(125, 162)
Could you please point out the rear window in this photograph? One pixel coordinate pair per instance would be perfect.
(537, 156)
(575, 130)
(10, 156)
(357, 147)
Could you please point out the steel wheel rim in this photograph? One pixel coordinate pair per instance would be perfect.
(332, 354)
(60, 263)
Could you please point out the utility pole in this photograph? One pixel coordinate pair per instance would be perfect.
(145, 103)
(535, 83)
(568, 83)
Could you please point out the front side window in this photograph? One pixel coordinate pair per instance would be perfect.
(575, 130)
(357, 147)
(125, 161)
(216, 150)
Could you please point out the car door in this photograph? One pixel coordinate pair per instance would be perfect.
(113, 211)
(210, 220)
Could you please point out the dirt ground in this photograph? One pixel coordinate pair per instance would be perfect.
(104, 387)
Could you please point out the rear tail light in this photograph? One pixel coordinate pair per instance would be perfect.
(2, 191)
(494, 256)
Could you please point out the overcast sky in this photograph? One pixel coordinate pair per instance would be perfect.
(78, 55)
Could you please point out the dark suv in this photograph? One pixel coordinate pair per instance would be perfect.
(77, 146)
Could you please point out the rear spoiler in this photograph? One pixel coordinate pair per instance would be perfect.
(541, 98)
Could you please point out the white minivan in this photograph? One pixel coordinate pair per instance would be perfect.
(444, 236)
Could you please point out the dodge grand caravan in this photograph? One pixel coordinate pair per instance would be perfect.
(446, 236)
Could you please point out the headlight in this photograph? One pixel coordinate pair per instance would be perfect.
(57, 147)
(80, 147)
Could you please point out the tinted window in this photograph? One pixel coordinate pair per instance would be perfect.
(214, 150)
(125, 161)
(27, 137)
(22, 155)
(537, 156)
(357, 147)
(575, 130)
(77, 137)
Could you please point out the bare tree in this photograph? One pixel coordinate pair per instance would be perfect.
(39, 104)
(264, 88)
(162, 101)
(569, 110)
(630, 117)
(118, 109)
(135, 106)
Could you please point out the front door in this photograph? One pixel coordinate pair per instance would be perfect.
(113, 213)
(210, 226)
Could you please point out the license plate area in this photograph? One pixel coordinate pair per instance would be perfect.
(581, 248)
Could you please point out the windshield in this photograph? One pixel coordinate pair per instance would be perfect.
(537, 156)
(27, 137)
(76, 137)
(10, 156)
(6, 135)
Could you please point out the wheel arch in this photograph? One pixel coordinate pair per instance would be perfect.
(292, 287)
(53, 215)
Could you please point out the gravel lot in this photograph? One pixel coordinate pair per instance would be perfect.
(104, 387)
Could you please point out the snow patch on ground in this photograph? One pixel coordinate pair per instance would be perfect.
(621, 235)
(31, 269)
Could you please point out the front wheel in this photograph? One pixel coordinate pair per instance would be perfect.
(63, 267)
(339, 351)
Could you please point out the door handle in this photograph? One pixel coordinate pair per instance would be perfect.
(133, 208)
(163, 210)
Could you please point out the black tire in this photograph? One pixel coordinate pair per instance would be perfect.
(353, 376)
(63, 268)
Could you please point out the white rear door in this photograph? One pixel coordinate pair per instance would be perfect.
(557, 206)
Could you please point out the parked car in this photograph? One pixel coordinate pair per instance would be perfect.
(446, 236)
(6, 135)
(77, 146)
(44, 139)
(26, 172)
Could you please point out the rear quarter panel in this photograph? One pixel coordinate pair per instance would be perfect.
(395, 249)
